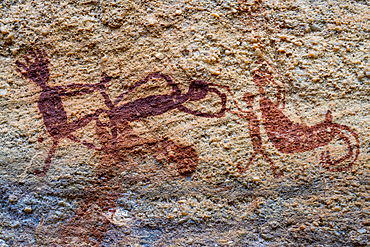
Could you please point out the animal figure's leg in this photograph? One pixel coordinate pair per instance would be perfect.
(254, 155)
(115, 129)
(80, 123)
(87, 144)
(273, 168)
(242, 170)
(48, 160)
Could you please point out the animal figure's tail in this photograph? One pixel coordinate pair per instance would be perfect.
(330, 164)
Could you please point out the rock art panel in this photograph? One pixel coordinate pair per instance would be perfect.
(187, 123)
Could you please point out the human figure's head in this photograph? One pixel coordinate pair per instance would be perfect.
(260, 78)
(249, 99)
(197, 90)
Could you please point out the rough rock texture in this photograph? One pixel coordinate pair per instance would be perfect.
(185, 123)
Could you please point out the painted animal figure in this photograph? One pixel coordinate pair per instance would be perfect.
(55, 117)
(154, 105)
(50, 103)
(289, 137)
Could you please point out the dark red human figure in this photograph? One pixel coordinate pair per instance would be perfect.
(154, 105)
(290, 137)
(255, 135)
(55, 117)
(50, 103)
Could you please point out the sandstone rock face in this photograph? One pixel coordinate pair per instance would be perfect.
(185, 123)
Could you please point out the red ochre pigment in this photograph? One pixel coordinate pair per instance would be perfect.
(55, 117)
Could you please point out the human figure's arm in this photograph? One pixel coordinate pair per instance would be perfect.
(79, 89)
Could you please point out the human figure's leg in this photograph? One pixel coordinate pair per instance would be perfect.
(242, 170)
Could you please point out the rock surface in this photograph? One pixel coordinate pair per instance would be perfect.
(185, 123)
